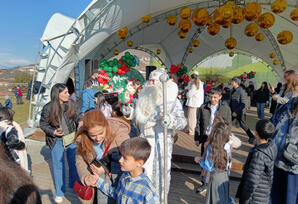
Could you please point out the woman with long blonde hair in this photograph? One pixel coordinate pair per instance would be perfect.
(97, 136)
(195, 98)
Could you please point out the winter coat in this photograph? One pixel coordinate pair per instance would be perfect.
(262, 95)
(203, 118)
(195, 97)
(120, 129)
(286, 126)
(49, 129)
(88, 100)
(8, 103)
(284, 98)
(238, 101)
(257, 177)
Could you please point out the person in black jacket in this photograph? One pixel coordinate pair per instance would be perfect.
(274, 91)
(59, 118)
(237, 105)
(257, 177)
(262, 96)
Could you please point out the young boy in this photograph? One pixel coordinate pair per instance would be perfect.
(257, 177)
(133, 186)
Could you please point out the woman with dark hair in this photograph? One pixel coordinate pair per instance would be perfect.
(99, 135)
(262, 96)
(276, 91)
(60, 118)
(289, 89)
(195, 98)
(102, 105)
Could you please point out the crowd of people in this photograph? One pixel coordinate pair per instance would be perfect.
(115, 151)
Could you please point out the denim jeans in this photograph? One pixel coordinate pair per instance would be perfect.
(58, 166)
(260, 110)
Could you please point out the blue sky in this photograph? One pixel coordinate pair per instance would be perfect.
(22, 24)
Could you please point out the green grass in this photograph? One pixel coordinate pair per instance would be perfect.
(21, 111)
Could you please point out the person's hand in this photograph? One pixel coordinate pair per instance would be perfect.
(234, 114)
(90, 180)
(275, 97)
(58, 132)
(97, 170)
(197, 159)
(197, 143)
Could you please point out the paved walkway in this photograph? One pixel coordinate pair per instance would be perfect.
(182, 184)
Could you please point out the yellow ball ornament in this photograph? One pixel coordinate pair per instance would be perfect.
(238, 16)
(231, 54)
(196, 43)
(266, 20)
(213, 29)
(279, 6)
(200, 17)
(223, 15)
(294, 14)
(185, 12)
(146, 19)
(231, 4)
(231, 43)
(260, 37)
(122, 32)
(158, 51)
(185, 25)
(190, 50)
(252, 11)
(116, 52)
(182, 34)
(285, 37)
(272, 55)
(172, 20)
(130, 43)
(226, 25)
(275, 62)
(251, 29)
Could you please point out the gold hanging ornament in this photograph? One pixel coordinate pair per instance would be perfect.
(200, 17)
(146, 19)
(158, 51)
(130, 43)
(172, 20)
(275, 62)
(116, 52)
(231, 54)
(285, 37)
(210, 21)
(260, 37)
(294, 14)
(251, 29)
(279, 6)
(238, 16)
(252, 11)
(213, 29)
(231, 4)
(223, 15)
(231, 43)
(122, 32)
(196, 43)
(190, 50)
(185, 13)
(266, 20)
(226, 25)
(182, 34)
(185, 25)
(272, 55)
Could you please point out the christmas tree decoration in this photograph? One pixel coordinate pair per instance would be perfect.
(231, 43)
(260, 37)
(251, 29)
(146, 19)
(213, 29)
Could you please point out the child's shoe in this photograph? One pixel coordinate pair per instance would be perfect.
(202, 188)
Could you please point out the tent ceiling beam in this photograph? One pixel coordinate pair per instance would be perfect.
(151, 53)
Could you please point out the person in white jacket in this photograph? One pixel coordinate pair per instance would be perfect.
(195, 98)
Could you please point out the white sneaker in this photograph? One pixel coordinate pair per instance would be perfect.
(58, 199)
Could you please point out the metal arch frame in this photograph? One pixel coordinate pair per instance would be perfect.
(151, 53)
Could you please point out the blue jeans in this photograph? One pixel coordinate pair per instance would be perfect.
(260, 110)
(58, 166)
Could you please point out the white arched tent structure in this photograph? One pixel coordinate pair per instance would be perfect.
(67, 42)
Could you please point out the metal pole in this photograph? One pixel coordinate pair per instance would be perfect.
(164, 78)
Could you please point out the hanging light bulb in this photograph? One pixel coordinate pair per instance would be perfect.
(182, 34)
(185, 25)
(266, 20)
(190, 50)
(231, 54)
(252, 11)
(213, 29)
(275, 62)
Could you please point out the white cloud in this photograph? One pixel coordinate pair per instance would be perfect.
(8, 61)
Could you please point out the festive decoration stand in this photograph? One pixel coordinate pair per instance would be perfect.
(117, 76)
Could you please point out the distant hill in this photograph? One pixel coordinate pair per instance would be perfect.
(9, 74)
